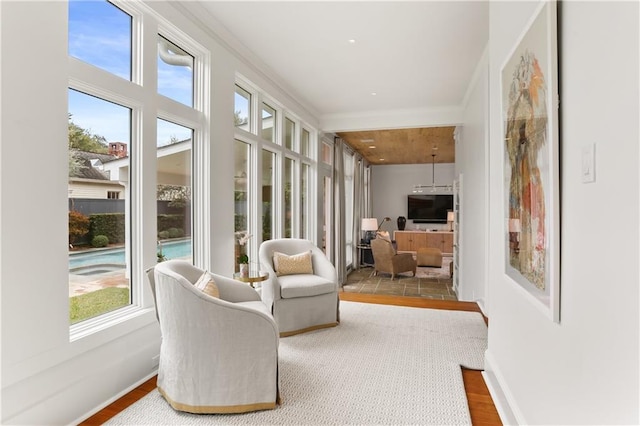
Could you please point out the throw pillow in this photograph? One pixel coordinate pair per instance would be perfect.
(295, 264)
(384, 235)
(207, 285)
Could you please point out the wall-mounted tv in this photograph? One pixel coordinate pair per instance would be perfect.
(431, 208)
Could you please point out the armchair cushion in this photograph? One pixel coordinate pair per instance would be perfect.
(207, 285)
(304, 285)
(295, 264)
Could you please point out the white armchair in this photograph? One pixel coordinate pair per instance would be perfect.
(218, 355)
(300, 302)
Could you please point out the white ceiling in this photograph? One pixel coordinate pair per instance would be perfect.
(415, 55)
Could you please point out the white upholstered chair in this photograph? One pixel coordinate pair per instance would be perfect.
(304, 301)
(218, 355)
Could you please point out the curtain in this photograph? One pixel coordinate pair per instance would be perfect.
(339, 240)
(358, 208)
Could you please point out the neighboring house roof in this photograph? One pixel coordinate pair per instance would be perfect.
(90, 165)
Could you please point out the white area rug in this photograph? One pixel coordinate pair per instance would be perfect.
(381, 365)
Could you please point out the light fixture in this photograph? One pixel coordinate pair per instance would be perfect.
(450, 218)
(418, 189)
(369, 225)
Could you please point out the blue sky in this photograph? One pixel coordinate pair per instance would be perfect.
(100, 34)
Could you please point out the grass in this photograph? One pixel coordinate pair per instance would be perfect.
(96, 303)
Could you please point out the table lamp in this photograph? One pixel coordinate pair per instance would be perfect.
(369, 225)
(450, 218)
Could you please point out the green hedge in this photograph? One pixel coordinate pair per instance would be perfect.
(110, 224)
(169, 221)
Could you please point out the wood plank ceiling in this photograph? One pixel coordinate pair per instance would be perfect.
(404, 146)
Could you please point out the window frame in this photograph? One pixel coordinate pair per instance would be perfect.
(147, 105)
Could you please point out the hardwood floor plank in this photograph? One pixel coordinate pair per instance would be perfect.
(481, 406)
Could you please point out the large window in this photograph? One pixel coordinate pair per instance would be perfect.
(348, 204)
(305, 176)
(242, 112)
(174, 191)
(112, 154)
(289, 132)
(241, 193)
(289, 170)
(268, 178)
(175, 72)
(280, 194)
(98, 235)
(268, 123)
(100, 35)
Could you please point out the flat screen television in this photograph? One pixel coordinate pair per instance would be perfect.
(429, 208)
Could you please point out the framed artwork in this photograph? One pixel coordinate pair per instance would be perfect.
(531, 162)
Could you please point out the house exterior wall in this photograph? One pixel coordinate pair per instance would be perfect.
(585, 369)
(93, 190)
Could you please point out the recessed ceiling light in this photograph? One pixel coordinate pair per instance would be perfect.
(352, 40)
(366, 140)
(371, 146)
(381, 159)
(373, 93)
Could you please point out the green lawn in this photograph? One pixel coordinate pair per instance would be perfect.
(96, 303)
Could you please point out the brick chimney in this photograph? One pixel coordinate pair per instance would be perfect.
(119, 149)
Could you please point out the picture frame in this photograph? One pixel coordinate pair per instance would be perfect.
(530, 111)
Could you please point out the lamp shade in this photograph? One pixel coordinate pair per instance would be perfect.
(369, 224)
(450, 217)
(514, 225)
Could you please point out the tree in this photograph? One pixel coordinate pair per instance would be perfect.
(178, 196)
(78, 226)
(83, 140)
(239, 121)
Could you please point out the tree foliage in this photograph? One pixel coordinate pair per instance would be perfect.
(82, 139)
(239, 121)
(78, 226)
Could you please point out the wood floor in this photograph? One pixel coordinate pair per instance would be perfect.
(481, 406)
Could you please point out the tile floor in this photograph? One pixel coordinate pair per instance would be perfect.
(363, 281)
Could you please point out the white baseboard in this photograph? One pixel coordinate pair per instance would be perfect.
(114, 398)
(502, 397)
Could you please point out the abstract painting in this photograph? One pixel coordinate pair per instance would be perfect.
(531, 148)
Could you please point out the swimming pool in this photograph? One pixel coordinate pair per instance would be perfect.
(115, 258)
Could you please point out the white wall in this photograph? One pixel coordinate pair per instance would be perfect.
(585, 369)
(46, 379)
(472, 154)
(391, 184)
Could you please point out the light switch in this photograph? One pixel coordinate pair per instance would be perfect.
(589, 163)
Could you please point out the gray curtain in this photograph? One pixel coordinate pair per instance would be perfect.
(339, 240)
(358, 207)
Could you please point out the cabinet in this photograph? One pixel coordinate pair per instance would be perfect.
(410, 241)
(413, 240)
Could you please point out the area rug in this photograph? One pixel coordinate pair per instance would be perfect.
(382, 365)
(431, 272)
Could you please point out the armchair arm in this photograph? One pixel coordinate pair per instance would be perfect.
(270, 287)
(322, 266)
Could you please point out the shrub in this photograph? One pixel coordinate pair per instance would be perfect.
(78, 226)
(110, 224)
(163, 235)
(100, 241)
(175, 232)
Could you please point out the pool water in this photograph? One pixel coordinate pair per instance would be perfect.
(115, 257)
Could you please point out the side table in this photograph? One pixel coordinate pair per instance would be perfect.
(252, 278)
(365, 255)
